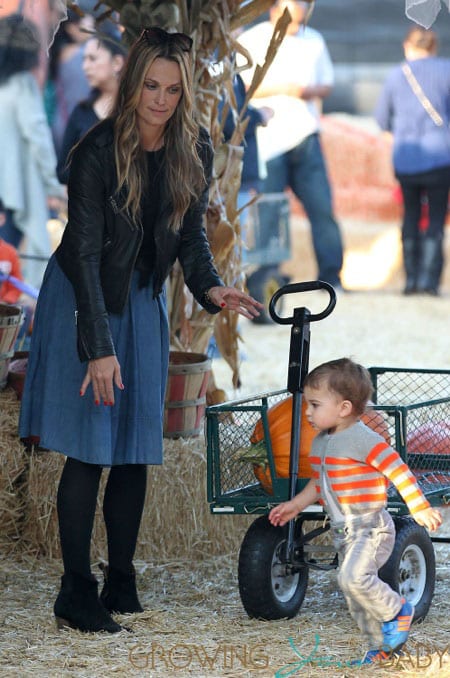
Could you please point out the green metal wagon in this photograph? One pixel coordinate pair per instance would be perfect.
(274, 562)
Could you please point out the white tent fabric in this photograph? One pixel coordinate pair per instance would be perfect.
(424, 12)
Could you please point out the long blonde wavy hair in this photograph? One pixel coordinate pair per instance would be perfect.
(184, 176)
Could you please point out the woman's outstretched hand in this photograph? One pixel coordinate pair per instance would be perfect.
(235, 300)
(103, 373)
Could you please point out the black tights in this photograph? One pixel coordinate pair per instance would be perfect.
(123, 504)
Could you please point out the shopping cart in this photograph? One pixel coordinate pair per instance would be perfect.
(266, 233)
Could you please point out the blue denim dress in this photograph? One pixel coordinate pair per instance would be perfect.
(130, 432)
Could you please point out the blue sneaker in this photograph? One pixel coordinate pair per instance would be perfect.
(372, 657)
(396, 631)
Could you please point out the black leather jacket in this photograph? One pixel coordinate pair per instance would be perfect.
(100, 244)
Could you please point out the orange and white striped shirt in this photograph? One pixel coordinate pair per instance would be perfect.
(353, 468)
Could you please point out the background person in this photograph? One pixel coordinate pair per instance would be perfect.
(28, 183)
(350, 464)
(103, 60)
(301, 75)
(12, 287)
(138, 192)
(251, 176)
(67, 83)
(9, 265)
(414, 106)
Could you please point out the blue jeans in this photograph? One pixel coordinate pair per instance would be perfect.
(303, 170)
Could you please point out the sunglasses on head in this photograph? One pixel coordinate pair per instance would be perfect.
(158, 36)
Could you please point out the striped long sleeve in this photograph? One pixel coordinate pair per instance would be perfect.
(352, 470)
(390, 464)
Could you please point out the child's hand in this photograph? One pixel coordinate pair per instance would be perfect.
(282, 513)
(430, 518)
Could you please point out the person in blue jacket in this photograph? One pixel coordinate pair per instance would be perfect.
(414, 107)
(103, 60)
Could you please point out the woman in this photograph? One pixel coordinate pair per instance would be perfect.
(103, 60)
(28, 183)
(138, 190)
(415, 107)
(67, 84)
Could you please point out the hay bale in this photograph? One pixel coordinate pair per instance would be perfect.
(176, 521)
(12, 469)
(40, 528)
(360, 167)
(40, 534)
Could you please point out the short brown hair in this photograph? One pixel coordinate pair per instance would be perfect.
(422, 38)
(346, 378)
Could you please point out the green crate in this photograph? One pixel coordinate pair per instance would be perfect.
(415, 404)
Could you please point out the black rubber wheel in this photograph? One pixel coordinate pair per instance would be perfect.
(411, 569)
(262, 285)
(269, 589)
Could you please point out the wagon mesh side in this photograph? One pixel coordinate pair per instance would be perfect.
(402, 386)
(415, 406)
(229, 429)
(420, 402)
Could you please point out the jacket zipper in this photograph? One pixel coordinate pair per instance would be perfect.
(81, 338)
(123, 214)
(132, 269)
(134, 227)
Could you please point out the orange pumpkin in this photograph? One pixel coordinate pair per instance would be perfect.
(279, 418)
(433, 437)
(377, 423)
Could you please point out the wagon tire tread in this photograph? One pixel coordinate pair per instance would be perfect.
(410, 534)
(255, 574)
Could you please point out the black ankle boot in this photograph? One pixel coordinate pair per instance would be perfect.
(430, 266)
(409, 247)
(79, 607)
(119, 590)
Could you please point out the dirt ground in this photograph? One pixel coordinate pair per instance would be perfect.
(372, 256)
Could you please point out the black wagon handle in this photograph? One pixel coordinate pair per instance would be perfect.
(294, 288)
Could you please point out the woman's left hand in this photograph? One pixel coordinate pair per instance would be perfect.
(235, 300)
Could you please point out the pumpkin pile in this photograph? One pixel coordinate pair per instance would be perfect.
(432, 437)
(279, 419)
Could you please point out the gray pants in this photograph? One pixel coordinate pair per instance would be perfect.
(363, 546)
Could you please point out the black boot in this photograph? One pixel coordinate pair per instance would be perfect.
(410, 264)
(437, 269)
(78, 605)
(430, 265)
(119, 590)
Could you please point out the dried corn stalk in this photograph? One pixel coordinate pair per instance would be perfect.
(223, 224)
